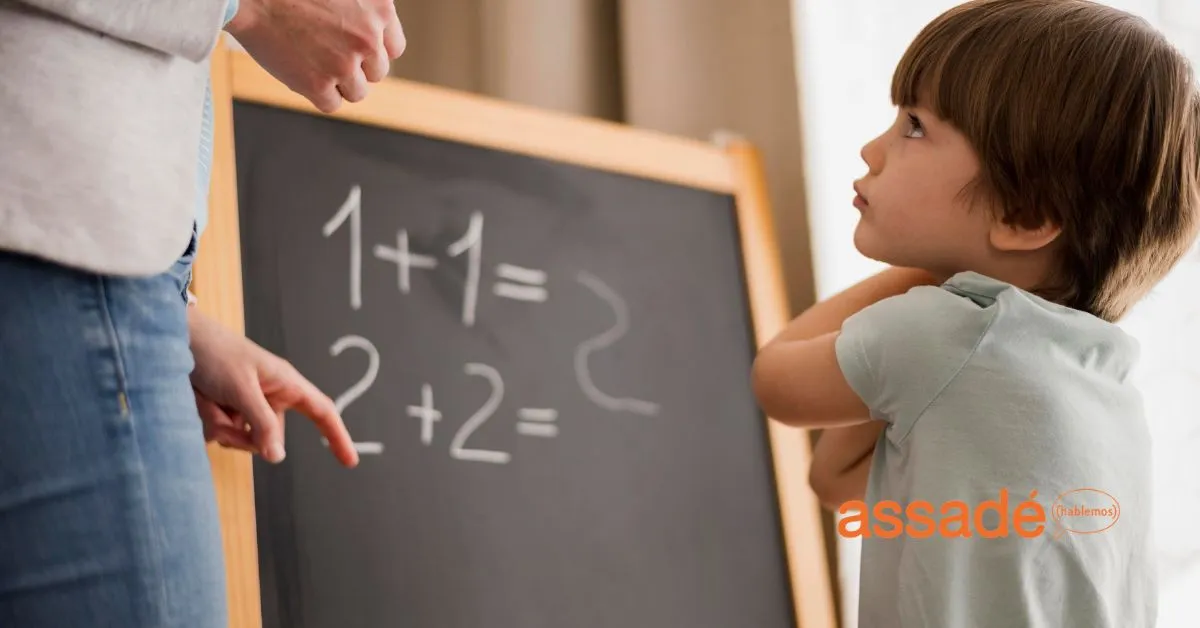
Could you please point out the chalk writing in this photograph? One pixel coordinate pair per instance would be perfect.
(472, 243)
(404, 259)
(512, 282)
(351, 208)
(458, 448)
(583, 372)
(360, 387)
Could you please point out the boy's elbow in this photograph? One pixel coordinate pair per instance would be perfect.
(767, 380)
(778, 388)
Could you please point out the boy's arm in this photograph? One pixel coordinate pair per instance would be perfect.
(842, 456)
(842, 461)
(796, 376)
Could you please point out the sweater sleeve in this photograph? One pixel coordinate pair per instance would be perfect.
(183, 28)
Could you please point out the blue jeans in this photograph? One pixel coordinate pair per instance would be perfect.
(107, 510)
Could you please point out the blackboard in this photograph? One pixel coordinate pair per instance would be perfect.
(546, 368)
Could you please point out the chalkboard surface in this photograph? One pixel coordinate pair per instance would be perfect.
(546, 370)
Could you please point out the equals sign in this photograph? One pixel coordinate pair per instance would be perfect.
(537, 422)
(520, 284)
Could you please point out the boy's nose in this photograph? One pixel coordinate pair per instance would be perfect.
(872, 154)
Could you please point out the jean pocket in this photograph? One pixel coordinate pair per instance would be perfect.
(181, 270)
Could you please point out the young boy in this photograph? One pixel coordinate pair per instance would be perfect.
(1040, 177)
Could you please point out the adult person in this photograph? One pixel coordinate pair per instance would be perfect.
(107, 509)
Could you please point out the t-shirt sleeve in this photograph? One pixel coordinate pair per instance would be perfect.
(899, 354)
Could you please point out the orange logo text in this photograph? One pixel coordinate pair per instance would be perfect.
(1080, 511)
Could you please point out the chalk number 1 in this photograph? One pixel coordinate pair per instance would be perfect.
(351, 208)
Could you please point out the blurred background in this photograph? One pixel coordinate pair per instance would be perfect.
(806, 81)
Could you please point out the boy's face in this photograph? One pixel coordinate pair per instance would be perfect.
(913, 209)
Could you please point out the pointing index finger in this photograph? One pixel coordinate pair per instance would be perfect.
(320, 409)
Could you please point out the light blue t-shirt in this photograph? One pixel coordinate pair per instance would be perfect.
(988, 387)
(206, 143)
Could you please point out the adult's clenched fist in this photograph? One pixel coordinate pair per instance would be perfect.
(324, 50)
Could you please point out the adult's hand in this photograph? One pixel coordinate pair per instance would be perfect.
(324, 50)
(242, 392)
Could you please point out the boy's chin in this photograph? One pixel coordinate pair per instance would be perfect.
(864, 243)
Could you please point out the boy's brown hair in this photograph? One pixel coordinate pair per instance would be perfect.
(1082, 115)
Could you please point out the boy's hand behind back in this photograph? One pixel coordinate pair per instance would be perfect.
(323, 50)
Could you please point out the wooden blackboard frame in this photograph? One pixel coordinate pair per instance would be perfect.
(730, 166)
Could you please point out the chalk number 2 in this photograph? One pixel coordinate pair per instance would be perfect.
(458, 447)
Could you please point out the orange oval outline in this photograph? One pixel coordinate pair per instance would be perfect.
(1058, 519)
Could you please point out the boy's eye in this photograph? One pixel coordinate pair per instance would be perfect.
(915, 128)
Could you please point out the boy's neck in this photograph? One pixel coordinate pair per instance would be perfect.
(1027, 272)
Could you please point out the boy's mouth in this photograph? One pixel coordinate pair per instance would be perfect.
(860, 201)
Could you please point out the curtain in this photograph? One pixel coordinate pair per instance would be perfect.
(846, 52)
(686, 67)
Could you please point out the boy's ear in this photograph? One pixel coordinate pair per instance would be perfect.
(1015, 237)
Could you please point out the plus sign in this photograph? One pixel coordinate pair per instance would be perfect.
(426, 413)
(404, 259)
